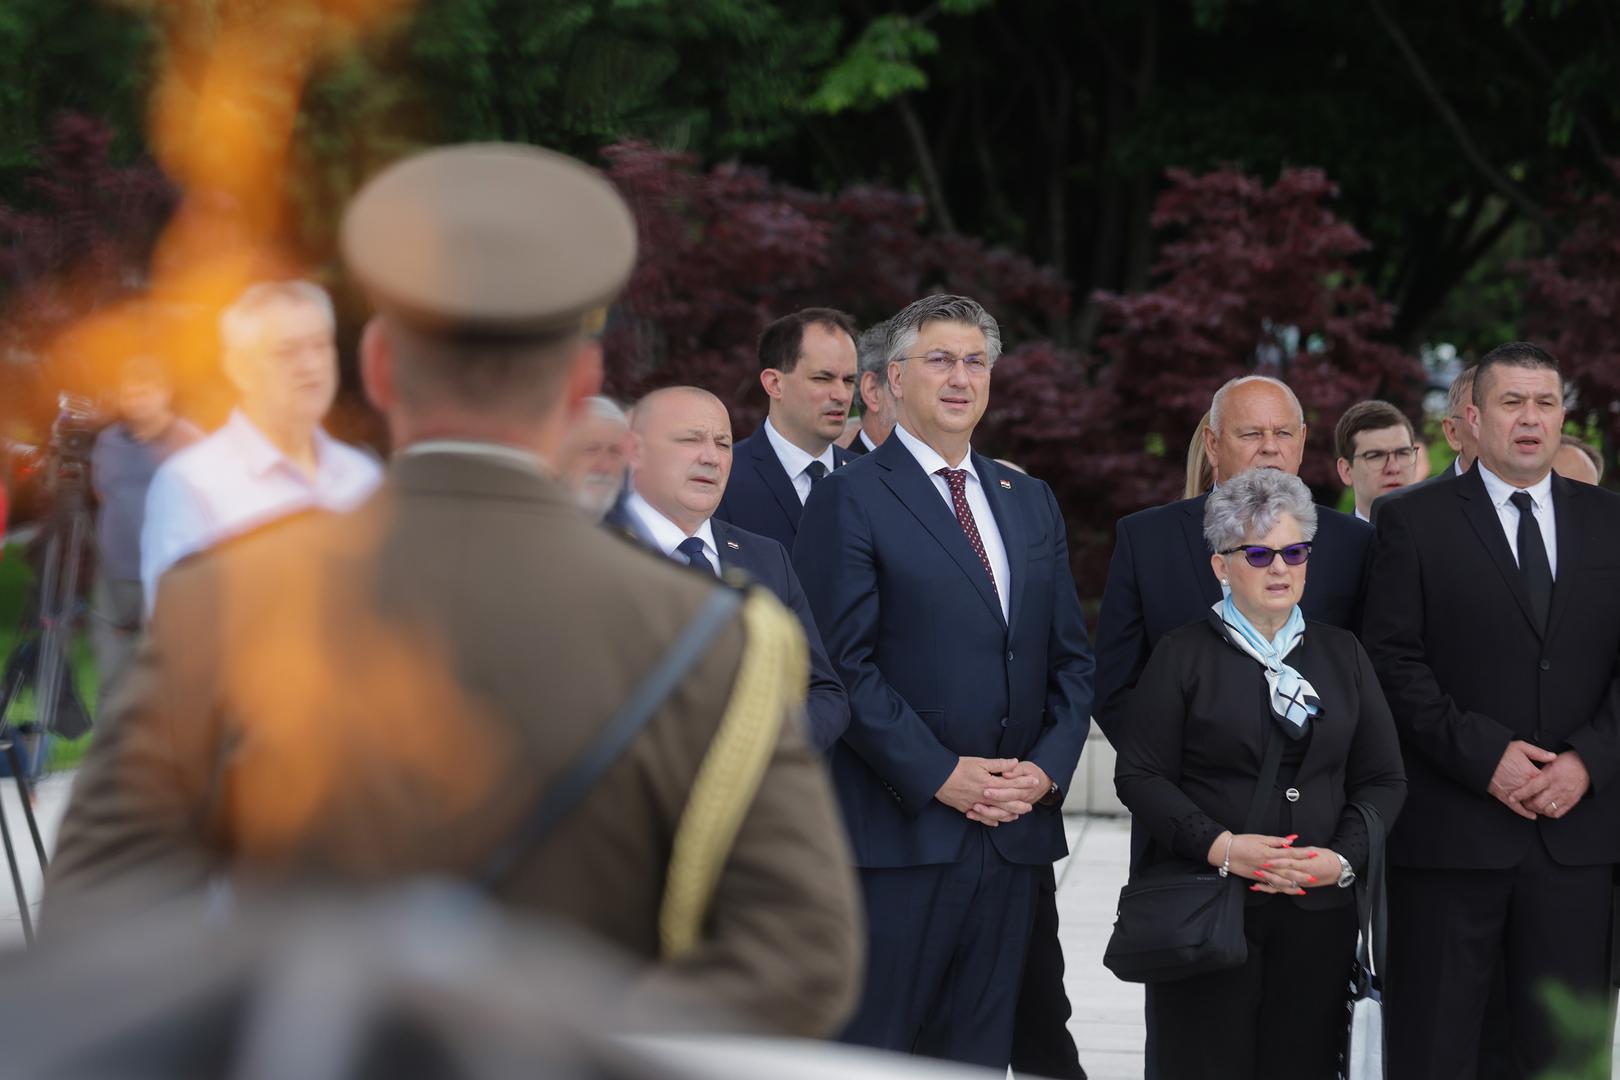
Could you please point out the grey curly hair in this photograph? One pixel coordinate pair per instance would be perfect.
(1249, 505)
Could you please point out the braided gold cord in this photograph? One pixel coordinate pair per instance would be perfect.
(771, 677)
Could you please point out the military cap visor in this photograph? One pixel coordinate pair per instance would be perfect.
(490, 239)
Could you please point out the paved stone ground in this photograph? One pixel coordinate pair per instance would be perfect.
(1107, 1021)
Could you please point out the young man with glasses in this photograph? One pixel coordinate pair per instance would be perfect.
(1377, 452)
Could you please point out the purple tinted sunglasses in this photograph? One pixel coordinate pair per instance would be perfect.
(1260, 557)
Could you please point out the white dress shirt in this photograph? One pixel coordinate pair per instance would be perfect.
(235, 480)
(1501, 491)
(795, 461)
(667, 535)
(868, 443)
(978, 505)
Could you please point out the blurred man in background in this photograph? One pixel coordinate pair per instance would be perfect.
(877, 404)
(127, 454)
(271, 458)
(594, 456)
(1578, 460)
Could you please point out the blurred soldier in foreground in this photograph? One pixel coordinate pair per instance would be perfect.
(451, 680)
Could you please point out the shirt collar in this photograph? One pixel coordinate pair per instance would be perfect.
(792, 458)
(260, 454)
(868, 443)
(506, 455)
(929, 458)
(1362, 516)
(665, 533)
(1501, 491)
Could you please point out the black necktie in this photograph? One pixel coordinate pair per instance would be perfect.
(1533, 564)
(692, 548)
(815, 471)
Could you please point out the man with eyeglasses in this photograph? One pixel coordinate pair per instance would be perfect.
(807, 367)
(941, 581)
(1377, 452)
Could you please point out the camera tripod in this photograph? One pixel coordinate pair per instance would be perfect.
(38, 657)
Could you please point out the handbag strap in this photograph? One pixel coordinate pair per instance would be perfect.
(1372, 903)
(1267, 785)
(580, 775)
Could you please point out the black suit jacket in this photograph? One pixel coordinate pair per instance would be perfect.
(1160, 579)
(766, 562)
(1199, 722)
(759, 496)
(1382, 500)
(934, 670)
(1449, 631)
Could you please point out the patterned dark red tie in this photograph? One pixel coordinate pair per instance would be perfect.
(956, 480)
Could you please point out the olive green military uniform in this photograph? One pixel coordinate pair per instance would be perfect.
(386, 694)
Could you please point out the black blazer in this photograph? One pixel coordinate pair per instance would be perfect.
(1449, 631)
(933, 669)
(759, 496)
(1194, 744)
(1160, 579)
(764, 561)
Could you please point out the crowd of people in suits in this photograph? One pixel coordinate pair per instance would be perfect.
(1456, 672)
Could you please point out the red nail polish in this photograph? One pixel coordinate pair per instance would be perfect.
(1312, 855)
(1265, 864)
(1311, 878)
(1254, 888)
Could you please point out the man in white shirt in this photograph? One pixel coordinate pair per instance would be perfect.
(807, 367)
(271, 457)
(1377, 452)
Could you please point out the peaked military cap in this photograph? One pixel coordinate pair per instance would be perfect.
(490, 239)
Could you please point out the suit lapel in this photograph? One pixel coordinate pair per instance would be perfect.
(1010, 523)
(775, 478)
(1569, 523)
(1487, 524)
(727, 544)
(916, 491)
(1192, 530)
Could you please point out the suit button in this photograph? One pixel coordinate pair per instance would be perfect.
(1003, 721)
(1009, 657)
(1546, 665)
(1292, 794)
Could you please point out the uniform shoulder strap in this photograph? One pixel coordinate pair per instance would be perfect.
(770, 682)
(581, 775)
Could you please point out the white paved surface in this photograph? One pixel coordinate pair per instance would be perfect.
(49, 803)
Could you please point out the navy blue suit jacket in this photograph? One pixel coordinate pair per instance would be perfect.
(766, 562)
(1160, 579)
(759, 496)
(933, 670)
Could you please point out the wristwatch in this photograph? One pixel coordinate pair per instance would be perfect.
(1052, 797)
(1347, 874)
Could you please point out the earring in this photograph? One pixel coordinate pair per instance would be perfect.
(1225, 584)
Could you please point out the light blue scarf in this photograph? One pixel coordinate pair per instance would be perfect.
(1293, 699)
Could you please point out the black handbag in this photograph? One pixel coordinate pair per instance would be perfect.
(1179, 924)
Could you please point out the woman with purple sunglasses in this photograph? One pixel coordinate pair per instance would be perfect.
(1215, 697)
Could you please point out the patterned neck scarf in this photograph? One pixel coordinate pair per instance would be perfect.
(1293, 699)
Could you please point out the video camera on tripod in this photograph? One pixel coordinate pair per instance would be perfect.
(39, 653)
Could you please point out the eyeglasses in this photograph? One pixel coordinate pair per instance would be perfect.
(1260, 557)
(1376, 458)
(942, 363)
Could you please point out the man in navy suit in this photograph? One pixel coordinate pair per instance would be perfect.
(807, 367)
(680, 457)
(1159, 577)
(942, 582)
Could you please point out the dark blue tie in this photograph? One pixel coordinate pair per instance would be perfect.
(815, 471)
(692, 548)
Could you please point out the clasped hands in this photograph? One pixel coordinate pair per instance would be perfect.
(1274, 863)
(1533, 782)
(993, 791)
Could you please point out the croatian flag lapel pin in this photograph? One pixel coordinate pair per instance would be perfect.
(732, 544)
(1007, 484)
